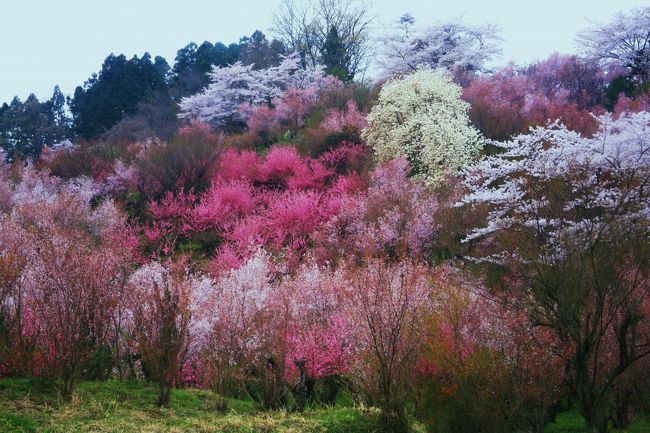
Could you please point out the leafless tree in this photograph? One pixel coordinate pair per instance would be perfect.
(304, 26)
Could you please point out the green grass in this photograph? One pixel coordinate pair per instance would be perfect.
(573, 422)
(126, 407)
(123, 407)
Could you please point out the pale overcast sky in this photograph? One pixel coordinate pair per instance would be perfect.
(46, 42)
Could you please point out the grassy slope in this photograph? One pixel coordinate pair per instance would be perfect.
(126, 407)
(123, 407)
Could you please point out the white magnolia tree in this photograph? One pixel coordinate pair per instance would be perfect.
(421, 117)
(233, 86)
(453, 45)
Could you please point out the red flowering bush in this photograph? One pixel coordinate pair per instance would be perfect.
(277, 201)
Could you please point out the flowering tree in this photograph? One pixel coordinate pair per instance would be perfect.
(567, 221)
(14, 256)
(337, 120)
(421, 117)
(483, 366)
(393, 218)
(242, 295)
(183, 163)
(624, 41)
(320, 342)
(161, 321)
(290, 110)
(236, 85)
(452, 45)
(66, 282)
(389, 304)
(511, 101)
(72, 291)
(277, 201)
(570, 78)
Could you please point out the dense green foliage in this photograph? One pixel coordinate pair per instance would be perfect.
(115, 92)
(25, 127)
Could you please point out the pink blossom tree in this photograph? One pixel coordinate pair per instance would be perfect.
(71, 272)
(161, 313)
(389, 304)
(394, 217)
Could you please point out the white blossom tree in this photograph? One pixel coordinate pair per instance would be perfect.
(567, 224)
(624, 41)
(506, 181)
(453, 45)
(421, 117)
(233, 86)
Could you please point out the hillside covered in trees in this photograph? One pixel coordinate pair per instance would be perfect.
(258, 237)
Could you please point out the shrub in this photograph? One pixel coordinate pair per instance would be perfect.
(161, 315)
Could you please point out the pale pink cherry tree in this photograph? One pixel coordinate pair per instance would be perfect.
(320, 340)
(76, 268)
(241, 297)
(196, 371)
(453, 45)
(72, 292)
(389, 305)
(220, 103)
(161, 314)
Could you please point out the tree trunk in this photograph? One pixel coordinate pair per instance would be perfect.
(164, 392)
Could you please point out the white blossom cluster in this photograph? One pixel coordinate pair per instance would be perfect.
(593, 180)
(452, 45)
(624, 41)
(235, 85)
(421, 117)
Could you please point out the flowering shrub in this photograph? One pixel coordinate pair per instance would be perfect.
(389, 303)
(559, 206)
(66, 279)
(277, 201)
(161, 312)
(337, 120)
(394, 217)
(509, 102)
